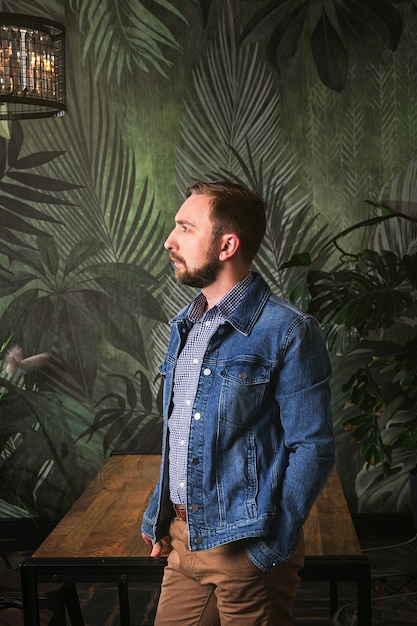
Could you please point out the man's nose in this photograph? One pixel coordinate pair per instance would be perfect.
(169, 241)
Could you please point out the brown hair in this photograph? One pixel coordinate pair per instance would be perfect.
(235, 209)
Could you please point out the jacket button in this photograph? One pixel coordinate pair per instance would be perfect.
(199, 540)
(243, 375)
(194, 507)
(195, 461)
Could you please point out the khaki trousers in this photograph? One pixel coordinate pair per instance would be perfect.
(223, 587)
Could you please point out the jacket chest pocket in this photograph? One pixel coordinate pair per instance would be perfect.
(242, 391)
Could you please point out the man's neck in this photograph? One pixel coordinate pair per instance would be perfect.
(215, 292)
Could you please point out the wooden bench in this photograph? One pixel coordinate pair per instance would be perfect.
(99, 540)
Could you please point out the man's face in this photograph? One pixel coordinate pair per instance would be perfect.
(193, 251)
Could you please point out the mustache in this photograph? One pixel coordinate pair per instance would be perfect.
(174, 257)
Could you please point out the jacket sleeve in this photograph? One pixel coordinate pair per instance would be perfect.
(303, 395)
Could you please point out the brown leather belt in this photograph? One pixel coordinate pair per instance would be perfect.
(181, 511)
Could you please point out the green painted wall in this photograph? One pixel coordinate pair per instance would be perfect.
(157, 98)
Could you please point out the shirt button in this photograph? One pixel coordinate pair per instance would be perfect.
(197, 416)
(182, 442)
(208, 322)
(207, 371)
(182, 484)
(195, 360)
(188, 402)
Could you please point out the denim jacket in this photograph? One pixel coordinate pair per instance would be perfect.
(261, 442)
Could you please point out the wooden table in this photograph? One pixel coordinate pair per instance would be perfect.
(333, 552)
(99, 540)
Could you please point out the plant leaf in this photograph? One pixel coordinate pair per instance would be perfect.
(232, 99)
(118, 326)
(35, 160)
(128, 285)
(204, 6)
(16, 313)
(131, 395)
(37, 333)
(20, 279)
(13, 222)
(301, 259)
(145, 392)
(15, 143)
(80, 252)
(34, 196)
(329, 54)
(3, 157)
(77, 344)
(123, 34)
(282, 45)
(41, 182)
(25, 210)
(265, 20)
(49, 253)
(361, 35)
(382, 16)
(7, 235)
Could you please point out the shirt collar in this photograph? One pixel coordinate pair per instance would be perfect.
(225, 306)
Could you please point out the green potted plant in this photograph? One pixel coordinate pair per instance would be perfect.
(367, 304)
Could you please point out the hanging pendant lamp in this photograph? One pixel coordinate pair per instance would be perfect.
(32, 67)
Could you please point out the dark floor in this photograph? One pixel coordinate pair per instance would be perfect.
(99, 603)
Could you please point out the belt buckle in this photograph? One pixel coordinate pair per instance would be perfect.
(181, 511)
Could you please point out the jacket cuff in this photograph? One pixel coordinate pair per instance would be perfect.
(262, 557)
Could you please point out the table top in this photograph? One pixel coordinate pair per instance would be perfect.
(106, 520)
(329, 529)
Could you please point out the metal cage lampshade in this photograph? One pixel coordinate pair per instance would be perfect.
(32, 67)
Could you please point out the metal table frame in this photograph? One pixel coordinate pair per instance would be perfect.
(148, 571)
(336, 569)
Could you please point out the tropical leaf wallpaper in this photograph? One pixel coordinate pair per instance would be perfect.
(311, 102)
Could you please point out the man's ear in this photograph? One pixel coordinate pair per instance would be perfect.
(229, 245)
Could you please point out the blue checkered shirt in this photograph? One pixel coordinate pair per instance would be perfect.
(187, 374)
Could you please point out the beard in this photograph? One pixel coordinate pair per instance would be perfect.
(200, 277)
